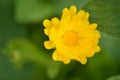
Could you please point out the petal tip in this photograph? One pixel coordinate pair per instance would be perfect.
(46, 23)
(48, 45)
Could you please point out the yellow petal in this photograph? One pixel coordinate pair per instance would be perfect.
(90, 53)
(47, 31)
(93, 26)
(86, 15)
(97, 34)
(66, 61)
(47, 23)
(55, 21)
(73, 10)
(59, 57)
(81, 13)
(82, 59)
(55, 56)
(49, 44)
(98, 48)
(65, 12)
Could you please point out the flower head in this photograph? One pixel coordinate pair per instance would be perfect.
(73, 37)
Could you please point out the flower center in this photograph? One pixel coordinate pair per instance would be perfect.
(71, 38)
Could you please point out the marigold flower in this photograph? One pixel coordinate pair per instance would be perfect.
(73, 37)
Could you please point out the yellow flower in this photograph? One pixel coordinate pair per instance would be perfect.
(73, 37)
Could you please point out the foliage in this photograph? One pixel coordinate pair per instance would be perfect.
(114, 78)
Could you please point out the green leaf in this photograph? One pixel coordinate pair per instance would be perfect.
(7, 72)
(21, 51)
(111, 45)
(32, 10)
(114, 78)
(107, 14)
(25, 50)
(53, 71)
(101, 66)
(8, 27)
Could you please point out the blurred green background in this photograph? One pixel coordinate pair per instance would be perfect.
(23, 56)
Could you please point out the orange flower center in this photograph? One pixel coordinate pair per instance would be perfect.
(70, 38)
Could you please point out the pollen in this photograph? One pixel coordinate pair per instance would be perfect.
(71, 38)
